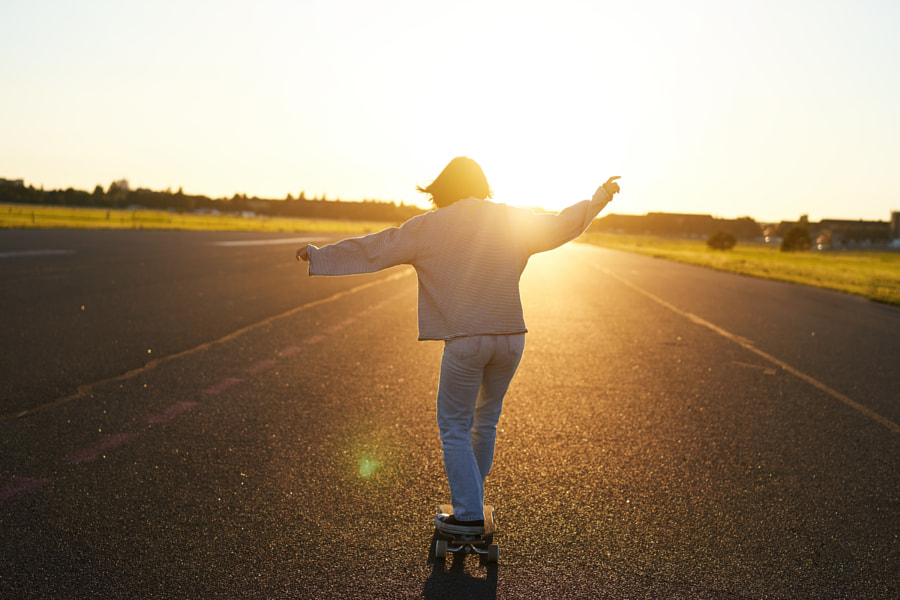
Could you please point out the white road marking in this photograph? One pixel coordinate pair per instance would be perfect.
(743, 342)
(765, 370)
(274, 242)
(48, 252)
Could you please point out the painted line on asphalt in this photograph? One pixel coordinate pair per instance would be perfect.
(766, 370)
(744, 343)
(292, 350)
(85, 390)
(170, 413)
(48, 252)
(261, 366)
(338, 326)
(21, 486)
(275, 242)
(215, 390)
(267, 364)
(101, 448)
(264, 365)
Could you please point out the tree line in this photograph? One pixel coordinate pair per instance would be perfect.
(677, 224)
(118, 195)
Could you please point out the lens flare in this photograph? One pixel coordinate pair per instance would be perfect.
(367, 466)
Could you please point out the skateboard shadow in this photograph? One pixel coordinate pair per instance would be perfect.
(449, 577)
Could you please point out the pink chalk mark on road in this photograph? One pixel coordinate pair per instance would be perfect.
(171, 412)
(20, 486)
(314, 339)
(375, 307)
(290, 351)
(91, 453)
(341, 325)
(263, 365)
(223, 385)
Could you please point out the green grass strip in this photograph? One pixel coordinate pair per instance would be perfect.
(872, 274)
(20, 216)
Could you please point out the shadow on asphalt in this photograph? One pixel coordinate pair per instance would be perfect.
(451, 579)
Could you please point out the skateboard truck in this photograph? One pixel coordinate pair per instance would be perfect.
(469, 544)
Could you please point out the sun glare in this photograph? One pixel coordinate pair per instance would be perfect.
(545, 141)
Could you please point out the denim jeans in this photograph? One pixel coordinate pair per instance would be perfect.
(475, 374)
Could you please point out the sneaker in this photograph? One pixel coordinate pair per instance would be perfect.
(449, 524)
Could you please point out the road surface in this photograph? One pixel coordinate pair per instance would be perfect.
(189, 415)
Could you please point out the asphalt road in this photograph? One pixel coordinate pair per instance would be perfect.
(214, 424)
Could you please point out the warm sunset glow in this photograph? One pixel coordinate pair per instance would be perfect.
(767, 109)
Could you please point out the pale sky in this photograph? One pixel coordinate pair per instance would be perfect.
(769, 109)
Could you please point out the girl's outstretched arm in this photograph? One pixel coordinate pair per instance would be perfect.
(548, 231)
(367, 254)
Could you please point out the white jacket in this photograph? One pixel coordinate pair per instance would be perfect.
(468, 257)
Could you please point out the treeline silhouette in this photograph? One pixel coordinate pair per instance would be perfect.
(677, 224)
(118, 195)
(830, 232)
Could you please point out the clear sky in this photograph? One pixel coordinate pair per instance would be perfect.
(770, 109)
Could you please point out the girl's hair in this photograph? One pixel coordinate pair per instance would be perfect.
(461, 178)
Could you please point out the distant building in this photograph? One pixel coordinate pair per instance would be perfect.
(843, 232)
(827, 232)
(13, 182)
(677, 224)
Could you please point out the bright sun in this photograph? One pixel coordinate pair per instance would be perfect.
(543, 142)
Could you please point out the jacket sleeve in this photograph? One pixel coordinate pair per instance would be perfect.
(367, 254)
(549, 231)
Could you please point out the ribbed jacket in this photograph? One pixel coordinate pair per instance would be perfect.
(468, 257)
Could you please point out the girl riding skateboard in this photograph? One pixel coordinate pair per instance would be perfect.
(469, 254)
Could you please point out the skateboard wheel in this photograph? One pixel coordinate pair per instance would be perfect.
(440, 549)
(493, 554)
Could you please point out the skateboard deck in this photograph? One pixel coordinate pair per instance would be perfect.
(469, 544)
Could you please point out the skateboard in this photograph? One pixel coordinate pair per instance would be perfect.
(469, 544)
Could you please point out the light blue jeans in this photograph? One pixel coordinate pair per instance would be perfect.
(475, 374)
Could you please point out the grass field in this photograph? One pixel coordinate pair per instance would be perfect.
(20, 216)
(873, 274)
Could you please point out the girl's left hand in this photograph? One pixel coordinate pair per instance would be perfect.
(303, 253)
